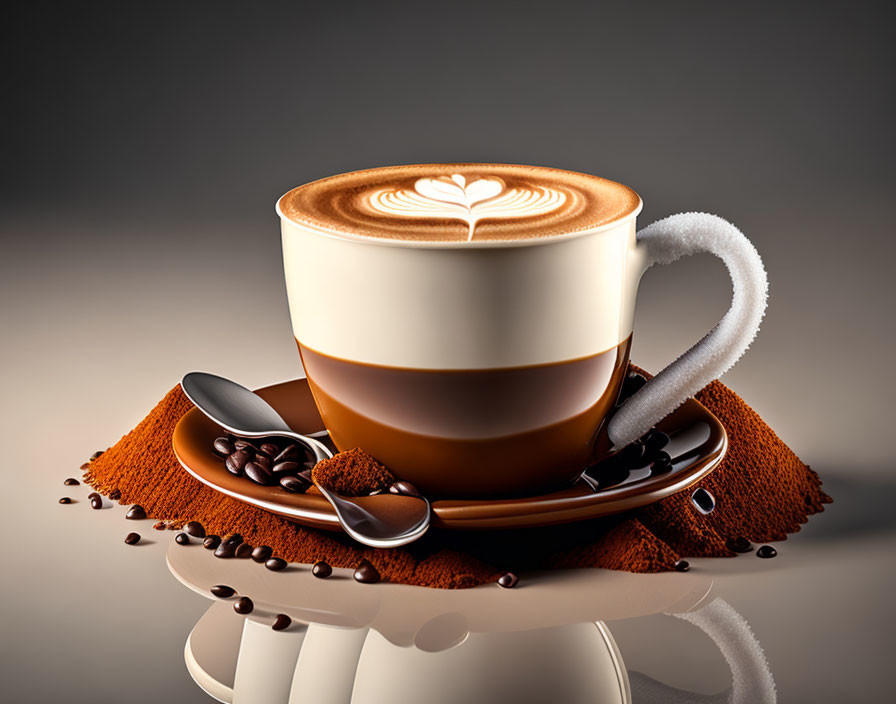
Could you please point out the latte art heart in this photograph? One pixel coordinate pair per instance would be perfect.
(455, 198)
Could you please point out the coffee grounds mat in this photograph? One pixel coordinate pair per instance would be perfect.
(763, 492)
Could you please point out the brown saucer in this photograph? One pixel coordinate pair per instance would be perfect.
(698, 444)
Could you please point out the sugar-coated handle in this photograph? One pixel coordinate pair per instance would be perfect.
(666, 241)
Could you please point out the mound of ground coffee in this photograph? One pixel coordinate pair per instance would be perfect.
(763, 492)
(352, 473)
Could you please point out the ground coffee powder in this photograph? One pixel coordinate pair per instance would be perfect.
(763, 492)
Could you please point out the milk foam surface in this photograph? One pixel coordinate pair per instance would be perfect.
(459, 203)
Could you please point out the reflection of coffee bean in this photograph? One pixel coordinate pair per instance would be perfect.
(366, 573)
(703, 501)
(508, 580)
(132, 538)
(211, 542)
(236, 462)
(182, 539)
(222, 591)
(71, 481)
(258, 473)
(269, 449)
(282, 622)
(223, 446)
(739, 545)
(195, 529)
(115, 494)
(261, 553)
(243, 550)
(404, 489)
(135, 513)
(275, 564)
(244, 605)
(65, 500)
(682, 566)
(290, 452)
(287, 467)
(293, 485)
(766, 552)
(321, 569)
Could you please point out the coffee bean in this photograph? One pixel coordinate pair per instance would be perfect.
(633, 382)
(236, 462)
(85, 466)
(766, 552)
(293, 485)
(135, 513)
(739, 545)
(94, 495)
(245, 446)
(682, 566)
(225, 550)
(259, 474)
(366, 573)
(321, 570)
(195, 529)
(275, 564)
(404, 489)
(115, 494)
(631, 455)
(172, 526)
(305, 475)
(96, 455)
(222, 591)
(244, 605)
(508, 580)
(65, 500)
(290, 452)
(703, 501)
(71, 481)
(282, 622)
(182, 539)
(96, 503)
(661, 466)
(160, 525)
(261, 553)
(223, 447)
(234, 539)
(132, 538)
(288, 467)
(211, 542)
(269, 449)
(655, 440)
(243, 551)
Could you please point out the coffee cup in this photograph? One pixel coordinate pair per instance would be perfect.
(469, 325)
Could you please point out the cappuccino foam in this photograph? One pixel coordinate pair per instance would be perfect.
(459, 203)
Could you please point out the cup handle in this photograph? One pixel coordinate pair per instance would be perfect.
(664, 242)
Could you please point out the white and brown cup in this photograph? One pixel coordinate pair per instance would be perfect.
(469, 325)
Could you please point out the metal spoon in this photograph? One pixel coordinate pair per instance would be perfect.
(381, 521)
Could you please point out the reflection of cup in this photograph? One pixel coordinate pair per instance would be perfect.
(469, 324)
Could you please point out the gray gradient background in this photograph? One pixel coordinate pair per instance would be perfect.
(143, 149)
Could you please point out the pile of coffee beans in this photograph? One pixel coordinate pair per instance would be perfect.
(269, 462)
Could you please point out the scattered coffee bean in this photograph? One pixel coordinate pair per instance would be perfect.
(135, 513)
(96, 455)
(65, 500)
(94, 495)
(115, 494)
(404, 489)
(703, 501)
(293, 485)
(132, 538)
(682, 566)
(766, 552)
(261, 553)
(85, 466)
(71, 481)
(234, 539)
(225, 550)
(195, 529)
(258, 473)
(211, 542)
(275, 564)
(236, 462)
(182, 539)
(222, 591)
(282, 622)
(223, 446)
(244, 605)
(739, 545)
(290, 452)
(287, 467)
(269, 449)
(508, 580)
(243, 551)
(160, 525)
(96, 503)
(321, 569)
(366, 573)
